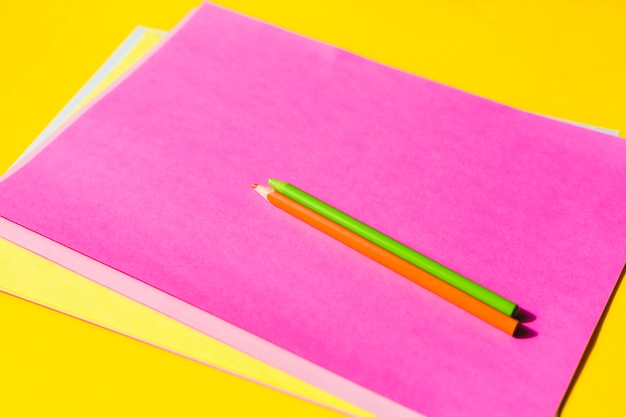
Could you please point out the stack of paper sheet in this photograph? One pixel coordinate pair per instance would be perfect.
(151, 185)
(33, 278)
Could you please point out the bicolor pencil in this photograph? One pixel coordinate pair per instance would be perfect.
(426, 280)
(408, 254)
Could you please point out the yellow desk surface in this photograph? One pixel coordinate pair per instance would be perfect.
(559, 58)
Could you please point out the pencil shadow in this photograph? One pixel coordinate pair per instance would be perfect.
(592, 342)
(524, 316)
(523, 332)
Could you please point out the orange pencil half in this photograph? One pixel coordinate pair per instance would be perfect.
(444, 290)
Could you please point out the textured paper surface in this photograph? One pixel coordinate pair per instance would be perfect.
(511, 189)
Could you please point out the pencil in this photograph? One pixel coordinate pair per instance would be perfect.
(421, 261)
(426, 280)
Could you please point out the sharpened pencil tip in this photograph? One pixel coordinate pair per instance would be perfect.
(262, 190)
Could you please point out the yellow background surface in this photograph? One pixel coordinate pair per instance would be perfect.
(560, 58)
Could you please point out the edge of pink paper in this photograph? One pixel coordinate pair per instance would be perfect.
(202, 321)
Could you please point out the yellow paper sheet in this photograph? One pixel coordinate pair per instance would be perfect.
(55, 365)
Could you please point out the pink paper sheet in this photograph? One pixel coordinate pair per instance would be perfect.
(154, 180)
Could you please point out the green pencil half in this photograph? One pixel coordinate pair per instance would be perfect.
(464, 284)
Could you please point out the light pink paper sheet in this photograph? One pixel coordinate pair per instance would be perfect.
(154, 181)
